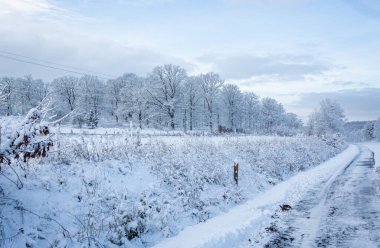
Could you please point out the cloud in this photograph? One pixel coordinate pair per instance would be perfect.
(277, 67)
(34, 31)
(104, 56)
(39, 10)
(26, 6)
(359, 104)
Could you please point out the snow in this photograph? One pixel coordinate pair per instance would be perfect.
(111, 190)
(227, 229)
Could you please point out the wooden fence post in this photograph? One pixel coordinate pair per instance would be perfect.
(236, 172)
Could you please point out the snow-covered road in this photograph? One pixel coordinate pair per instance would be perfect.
(344, 212)
(334, 204)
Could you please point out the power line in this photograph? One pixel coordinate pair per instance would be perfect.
(108, 76)
(50, 62)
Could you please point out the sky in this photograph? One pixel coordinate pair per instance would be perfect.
(296, 51)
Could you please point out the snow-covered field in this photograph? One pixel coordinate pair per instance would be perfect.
(113, 190)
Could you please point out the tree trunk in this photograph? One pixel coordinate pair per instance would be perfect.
(171, 115)
(140, 119)
(191, 118)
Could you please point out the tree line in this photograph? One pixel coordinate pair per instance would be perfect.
(166, 98)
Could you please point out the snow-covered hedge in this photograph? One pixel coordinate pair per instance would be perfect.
(134, 192)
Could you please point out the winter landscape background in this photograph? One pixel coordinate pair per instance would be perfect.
(136, 149)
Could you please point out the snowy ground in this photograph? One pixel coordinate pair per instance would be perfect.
(332, 205)
(111, 191)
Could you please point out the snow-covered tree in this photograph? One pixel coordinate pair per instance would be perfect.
(164, 91)
(167, 97)
(31, 92)
(65, 92)
(329, 119)
(210, 84)
(272, 114)
(251, 111)
(290, 125)
(369, 131)
(113, 94)
(91, 98)
(192, 96)
(21, 94)
(5, 94)
(292, 121)
(232, 99)
(134, 103)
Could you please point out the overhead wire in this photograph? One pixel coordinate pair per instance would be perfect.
(11, 56)
(50, 62)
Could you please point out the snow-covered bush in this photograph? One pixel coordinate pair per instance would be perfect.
(32, 139)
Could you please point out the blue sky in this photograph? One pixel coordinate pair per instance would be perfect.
(297, 51)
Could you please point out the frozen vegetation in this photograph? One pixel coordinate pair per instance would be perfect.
(110, 190)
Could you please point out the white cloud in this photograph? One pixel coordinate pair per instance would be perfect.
(42, 10)
(26, 6)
